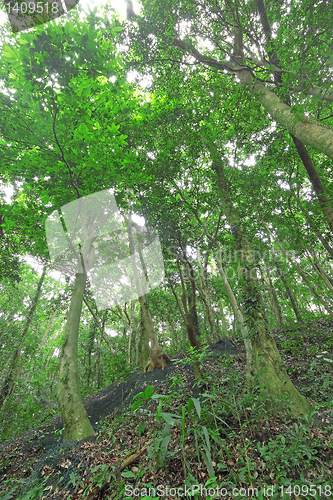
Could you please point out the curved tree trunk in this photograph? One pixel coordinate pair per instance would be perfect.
(74, 414)
(309, 165)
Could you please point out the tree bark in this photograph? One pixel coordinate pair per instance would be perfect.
(143, 346)
(301, 273)
(287, 287)
(102, 330)
(267, 364)
(205, 291)
(249, 370)
(159, 357)
(222, 316)
(314, 177)
(76, 422)
(275, 300)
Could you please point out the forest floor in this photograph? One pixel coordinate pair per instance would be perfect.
(226, 439)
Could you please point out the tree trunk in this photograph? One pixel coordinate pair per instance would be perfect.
(91, 346)
(267, 365)
(237, 315)
(76, 422)
(195, 320)
(287, 287)
(159, 358)
(301, 273)
(11, 377)
(224, 323)
(205, 291)
(104, 335)
(275, 300)
(143, 346)
(314, 177)
(97, 363)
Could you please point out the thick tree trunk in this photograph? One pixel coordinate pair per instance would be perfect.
(12, 372)
(314, 177)
(76, 422)
(272, 375)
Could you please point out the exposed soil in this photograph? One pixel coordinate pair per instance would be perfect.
(43, 452)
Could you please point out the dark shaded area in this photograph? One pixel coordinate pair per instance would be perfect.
(116, 396)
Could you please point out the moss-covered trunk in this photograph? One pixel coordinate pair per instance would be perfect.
(76, 422)
(267, 365)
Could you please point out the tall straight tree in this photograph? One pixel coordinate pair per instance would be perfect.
(64, 125)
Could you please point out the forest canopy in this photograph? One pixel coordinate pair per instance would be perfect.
(211, 124)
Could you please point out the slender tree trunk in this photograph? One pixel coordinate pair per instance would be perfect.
(143, 346)
(275, 300)
(237, 315)
(10, 379)
(91, 346)
(195, 320)
(224, 323)
(172, 331)
(97, 364)
(129, 347)
(205, 291)
(325, 244)
(104, 335)
(159, 357)
(76, 422)
(186, 314)
(48, 329)
(300, 271)
(287, 287)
